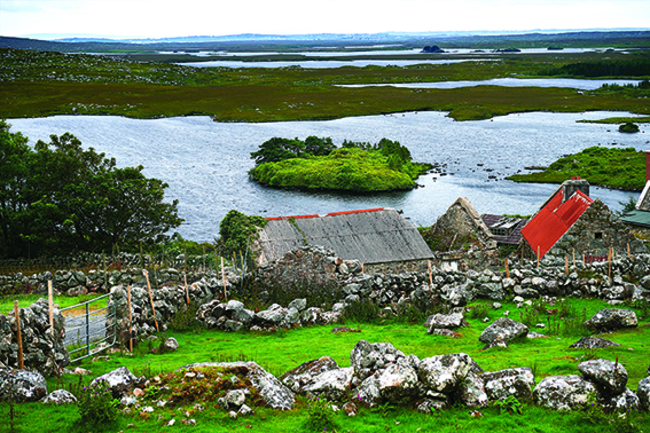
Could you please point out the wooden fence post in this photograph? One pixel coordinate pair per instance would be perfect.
(19, 336)
(507, 269)
(153, 308)
(574, 257)
(430, 275)
(566, 265)
(187, 291)
(538, 254)
(128, 297)
(223, 277)
(50, 302)
(609, 259)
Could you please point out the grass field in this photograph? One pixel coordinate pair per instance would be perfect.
(283, 350)
(38, 84)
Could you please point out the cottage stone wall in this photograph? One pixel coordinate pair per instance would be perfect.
(594, 233)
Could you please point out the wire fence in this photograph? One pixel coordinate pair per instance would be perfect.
(90, 327)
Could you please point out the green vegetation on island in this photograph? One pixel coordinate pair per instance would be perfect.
(608, 167)
(316, 163)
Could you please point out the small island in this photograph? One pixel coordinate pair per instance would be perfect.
(608, 167)
(317, 164)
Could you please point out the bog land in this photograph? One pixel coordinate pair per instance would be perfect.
(43, 83)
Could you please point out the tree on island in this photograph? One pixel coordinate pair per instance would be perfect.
(58, 198)
(629, 127)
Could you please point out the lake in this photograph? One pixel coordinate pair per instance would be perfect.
(573, 83)
(206, 163)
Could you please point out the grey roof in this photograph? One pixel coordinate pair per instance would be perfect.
(514, 237)
(637, 218)
(370, 236)
(644, 199)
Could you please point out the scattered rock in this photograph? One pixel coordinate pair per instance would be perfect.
(592, 343)
(504, 328)
(443, 373)
(563, 392)
(22, 386)
(643, 392)
(514, 381)
(119, 381)
(610, 376)
(610, 319)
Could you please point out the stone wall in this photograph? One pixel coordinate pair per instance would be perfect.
(43, 348)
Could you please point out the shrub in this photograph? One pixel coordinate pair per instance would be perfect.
(184, 319)
(97, 407)
(320, 416)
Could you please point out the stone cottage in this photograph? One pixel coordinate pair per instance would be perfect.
(570, 223)
(378, 238)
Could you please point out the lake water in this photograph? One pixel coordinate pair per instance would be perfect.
(206, 163)
(321, 64)
(508, 82)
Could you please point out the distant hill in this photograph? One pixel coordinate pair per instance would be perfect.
(626, 38)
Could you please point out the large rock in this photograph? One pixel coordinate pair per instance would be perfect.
(504, 328)
(610, 376)
(610, 319)
(119, 381)
(592, 343)
(274, 393)
(22, 386)
(331, 385)
(471, 391)
(643, 392)
(444, 321)
(367, 358)
(300, 376)
(514, 381)
(60, 396)
(398, 383)
(443, 373)
(563, 392)
(625, 401)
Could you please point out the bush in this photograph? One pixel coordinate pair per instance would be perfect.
(184, 319)
(628, 127)
(97, 407)
(320, 416)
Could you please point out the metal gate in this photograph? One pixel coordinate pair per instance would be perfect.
(89, 328)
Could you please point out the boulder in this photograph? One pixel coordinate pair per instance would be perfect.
(22, 386)
(170, 345)
(119, 381)
(60, 396)
(445, 321)
(367, 358)
(331, 385)
(300, 376)
(298, 304)
(398, 383)
(610, 319)
(235, 398)
(368, 392)
(471, 391)
(592, 343)
(457, 296)
(443, 373)
(625, 401)
(643, 392)
(514, 381)
(610, 376)
(504, 328)
(563, 392)
(274, 393)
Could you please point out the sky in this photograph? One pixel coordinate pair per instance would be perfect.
(171, 18)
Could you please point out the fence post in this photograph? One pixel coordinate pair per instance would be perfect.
(538, 254)
(507, 270)
(51, 306)
(223, 277)
(153, 308)
(128, 297)
(187, 291)
(430, 275)
(566, 265)
(19, 337)
(87, 330)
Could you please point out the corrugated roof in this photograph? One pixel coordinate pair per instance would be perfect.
(644, 199)
(514, 237)
(554, 220)
(371, 236)
(637, 218)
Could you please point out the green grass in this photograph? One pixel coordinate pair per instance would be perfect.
(610, 167)
(25, 300)
(37, 84)
(282, 351)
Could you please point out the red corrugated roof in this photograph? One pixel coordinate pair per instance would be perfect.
(554, 220)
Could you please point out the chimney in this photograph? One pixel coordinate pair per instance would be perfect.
(647, 165)
(575, 184)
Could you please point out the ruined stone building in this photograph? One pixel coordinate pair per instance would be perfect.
(570, 223)
(377, 238)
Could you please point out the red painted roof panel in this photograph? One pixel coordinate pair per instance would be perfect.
(554, 220)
